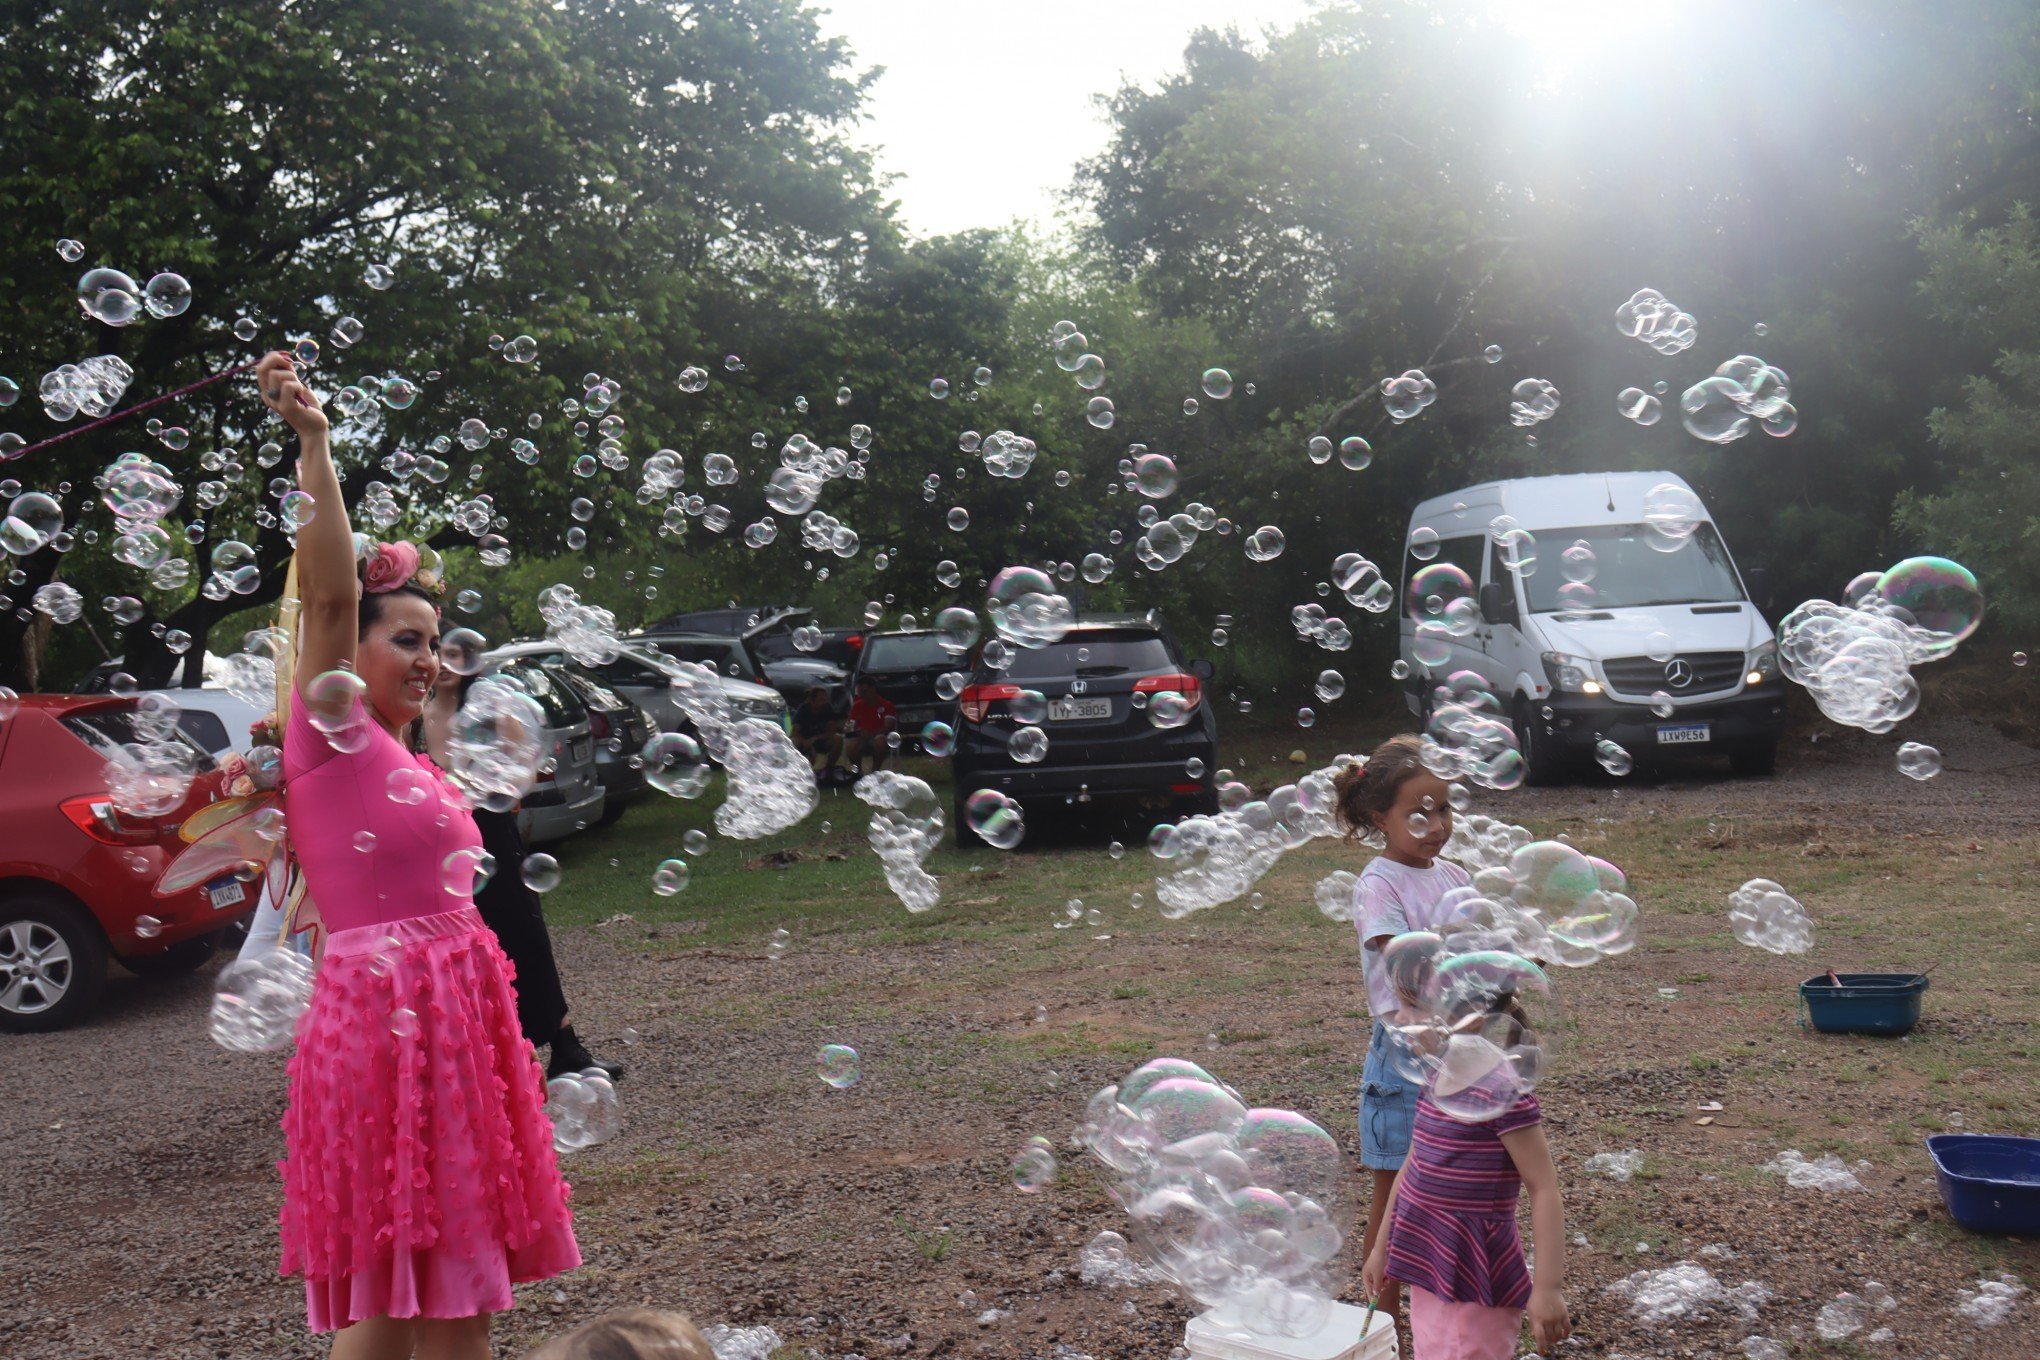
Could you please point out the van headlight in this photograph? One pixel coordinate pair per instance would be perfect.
(759, 708)
(1763, 664)
(1570, 674)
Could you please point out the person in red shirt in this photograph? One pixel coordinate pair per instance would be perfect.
(873, 718)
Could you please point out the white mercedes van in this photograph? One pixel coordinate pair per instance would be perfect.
(1668, 651)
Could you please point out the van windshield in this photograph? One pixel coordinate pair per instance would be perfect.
(1631, 573)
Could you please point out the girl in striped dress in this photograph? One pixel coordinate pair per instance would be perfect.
(1452, 1235)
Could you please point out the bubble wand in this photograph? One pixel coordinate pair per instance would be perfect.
(136, 410)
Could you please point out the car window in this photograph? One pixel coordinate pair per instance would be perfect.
(590, 690)
(204, 728)
(1464, 553)
(558, 703)
(110, 729)
(906, 652)
(1631, 571)
(1093, 654)
(719, 653)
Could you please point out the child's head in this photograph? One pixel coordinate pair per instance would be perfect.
(1392, 797)
(630, 1334)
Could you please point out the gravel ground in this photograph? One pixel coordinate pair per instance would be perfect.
(138, 1211)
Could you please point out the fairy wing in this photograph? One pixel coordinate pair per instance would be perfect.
(223, 837)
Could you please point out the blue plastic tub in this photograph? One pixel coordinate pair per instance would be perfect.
(1991, 1183)
(1865, 1003)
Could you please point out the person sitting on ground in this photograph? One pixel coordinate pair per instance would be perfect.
(630, 1334)
(817, 731)
(873, 719)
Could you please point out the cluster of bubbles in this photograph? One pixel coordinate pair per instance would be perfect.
(1685, 1291)
(770, 785)
(1719, 408)
(1648, 316)
(1211, 859)
(1640, 406)
(1407, 394)
(1026, 608)
(1231, 1204)
(495, 744)
(583, 1109)
(1826, 1172)
(1764, 916)
(1616, 1166)
(257, 1001)
(1532, 401)
(1991, 1302)
(994, 818)
(906, 826)
(1467, 736)
(1165, 540)
(1354, 452)
(90, 387)
(1856, 658)
(109, 296)
(1850, 1312)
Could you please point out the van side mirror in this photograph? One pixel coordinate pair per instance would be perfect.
(1758, 581)
(1498, 603)
(1202, 669)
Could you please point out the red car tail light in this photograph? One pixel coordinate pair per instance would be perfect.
(598, 725)
(96, 816)
(1189, 686)
(976, 700)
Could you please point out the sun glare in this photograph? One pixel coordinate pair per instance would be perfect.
(1568, 37)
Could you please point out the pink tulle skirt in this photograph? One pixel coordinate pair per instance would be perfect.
(419, 1174)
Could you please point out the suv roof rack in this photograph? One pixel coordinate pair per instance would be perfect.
(1151, 618)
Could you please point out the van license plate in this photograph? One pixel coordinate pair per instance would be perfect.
(1063, 709)
(226, 893)
(1682, 734)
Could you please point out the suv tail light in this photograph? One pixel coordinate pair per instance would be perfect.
(976, 700)
(598, 725)
(95, 815)
(1189, 686)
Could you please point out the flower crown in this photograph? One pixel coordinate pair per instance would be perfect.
(390, 566)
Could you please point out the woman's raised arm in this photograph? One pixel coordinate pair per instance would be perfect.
(328, 590)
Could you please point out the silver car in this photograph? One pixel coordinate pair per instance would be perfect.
(644, 668)
(568, 797)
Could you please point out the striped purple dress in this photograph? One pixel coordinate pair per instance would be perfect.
(1454, 1230)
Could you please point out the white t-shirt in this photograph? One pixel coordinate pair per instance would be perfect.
(1389, 900)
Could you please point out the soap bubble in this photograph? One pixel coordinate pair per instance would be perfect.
(461, 649)
(1100, 413)
(167, 295)
(1330, 685)
(1612, 757)
(1026, 609)
(1649, 317)
(541, 873)
(906, 826)
(1941, 596)
(1406, 395)
(1672, 513)
(1423, 543)
(109, 296)
(1433, 590)
(837, 1066)
(1493, 354)
(380, 277)
(257, 1001)
(33, 519)
(1217, 384)
(495, 743)
(938, 388)
(1265, 544)
(1764, 915)
(583, 1110)
(1319, 449)
(938, 739)
(1034, 1166)
(1916, 761)
(1638, 405)
(958, 519)
(346, 332)
(1028, 745)
(1355, 453)
(1154, 475)
(1531, 401)
(995, 819)
(669, 877)
(674, 764)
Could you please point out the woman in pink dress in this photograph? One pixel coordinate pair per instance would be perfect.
(420, 1181)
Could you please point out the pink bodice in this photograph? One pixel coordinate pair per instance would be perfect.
(370, 853)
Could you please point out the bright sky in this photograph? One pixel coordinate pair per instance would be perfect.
(985, 106)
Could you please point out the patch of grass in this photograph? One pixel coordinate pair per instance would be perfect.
(930, 1246)
(1128, 991)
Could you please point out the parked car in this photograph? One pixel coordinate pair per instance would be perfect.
(617, 726)
(1099, 683)
(568, 796)
(76, 873)
(768, 637)
(904, 666)
(1571, 670)
(214, 717)
(642, 671)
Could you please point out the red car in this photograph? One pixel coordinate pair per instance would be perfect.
(76, 874)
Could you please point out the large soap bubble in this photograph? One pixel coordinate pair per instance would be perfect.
(906, 826)
(1763, 915)
(495, 743)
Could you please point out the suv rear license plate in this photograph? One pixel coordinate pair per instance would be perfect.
(226, 892)
(1682, 734)
(1062, 710)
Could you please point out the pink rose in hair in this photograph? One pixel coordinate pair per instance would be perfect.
(389, 566)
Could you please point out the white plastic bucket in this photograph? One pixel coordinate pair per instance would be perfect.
(1338, 1339)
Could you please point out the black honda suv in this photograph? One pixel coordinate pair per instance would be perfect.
(1107, 737)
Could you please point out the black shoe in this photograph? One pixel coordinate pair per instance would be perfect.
(570, 1055)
